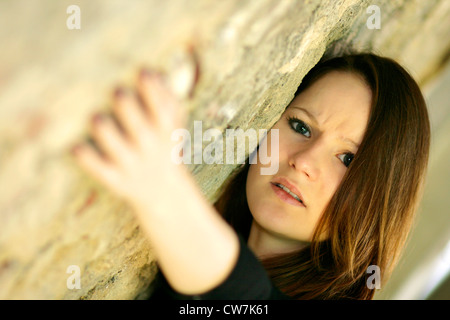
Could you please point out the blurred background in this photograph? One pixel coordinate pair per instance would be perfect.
(60, 61)
(423, 272)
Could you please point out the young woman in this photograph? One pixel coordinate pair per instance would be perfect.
(353, 149)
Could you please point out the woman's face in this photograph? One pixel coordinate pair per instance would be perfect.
(318, 134)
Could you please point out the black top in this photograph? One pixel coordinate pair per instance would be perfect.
(247, 281)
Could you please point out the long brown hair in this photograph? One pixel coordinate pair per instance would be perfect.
(370, 215)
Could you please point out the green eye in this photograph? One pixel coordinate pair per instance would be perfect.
(346, 158)
(299, 126)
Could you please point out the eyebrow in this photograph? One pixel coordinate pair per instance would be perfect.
(309, 114)
(350, 141)
(316, 123)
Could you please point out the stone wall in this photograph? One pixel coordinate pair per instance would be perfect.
(246, 58)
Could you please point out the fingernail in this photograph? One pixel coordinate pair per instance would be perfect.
(75, 149)
(146, 73)
(98, 118)
(152, 74)
(119, 92)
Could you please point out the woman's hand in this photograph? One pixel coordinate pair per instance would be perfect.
(135, 158)
(184, 229)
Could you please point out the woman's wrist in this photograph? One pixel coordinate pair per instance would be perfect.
(171, 185)
(185, 230)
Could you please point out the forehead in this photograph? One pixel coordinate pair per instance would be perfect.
(339, 85)
(338, 100)
(335, 90)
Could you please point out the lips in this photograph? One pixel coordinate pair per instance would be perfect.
(288, 191)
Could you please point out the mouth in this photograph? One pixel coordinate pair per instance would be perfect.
(287, 194)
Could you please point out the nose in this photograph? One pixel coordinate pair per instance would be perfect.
(307, 160)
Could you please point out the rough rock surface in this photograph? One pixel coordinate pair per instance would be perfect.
(249, 56)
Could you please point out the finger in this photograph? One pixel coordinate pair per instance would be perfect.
(162, 105)
(109, 139)
(91, 161)
(130, 115)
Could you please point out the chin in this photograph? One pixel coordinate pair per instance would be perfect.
(272, 218)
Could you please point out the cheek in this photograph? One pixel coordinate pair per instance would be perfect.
(277, 144)
(329, 185)
(253, 183)
(260, 199)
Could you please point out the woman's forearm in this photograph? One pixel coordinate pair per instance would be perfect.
(196, 249)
